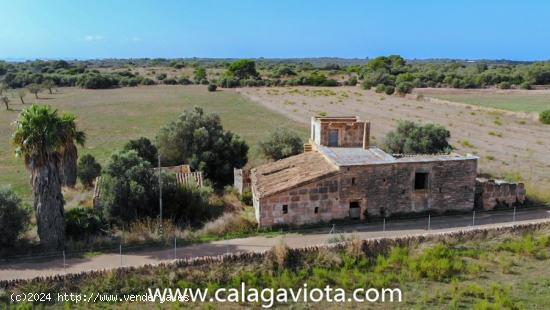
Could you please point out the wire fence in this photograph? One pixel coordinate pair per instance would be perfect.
(336, 232)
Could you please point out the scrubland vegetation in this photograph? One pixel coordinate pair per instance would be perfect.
(506, 271)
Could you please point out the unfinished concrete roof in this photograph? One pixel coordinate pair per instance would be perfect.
(350, 156)
(290, 172)
(354, 156)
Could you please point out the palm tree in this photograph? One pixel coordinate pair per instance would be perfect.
(40, 137)
(69, 154)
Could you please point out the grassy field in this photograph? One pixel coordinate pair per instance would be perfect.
(511, 100)
(111, 117)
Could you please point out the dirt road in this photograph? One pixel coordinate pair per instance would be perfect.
(28, 270)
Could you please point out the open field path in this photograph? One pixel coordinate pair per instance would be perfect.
(306, 238)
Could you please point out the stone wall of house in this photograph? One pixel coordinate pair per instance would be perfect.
(302, 203)
(389, 189)
(378, 190)
(493, 193)
(350, 134)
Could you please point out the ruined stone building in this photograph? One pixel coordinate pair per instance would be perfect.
(340, 175)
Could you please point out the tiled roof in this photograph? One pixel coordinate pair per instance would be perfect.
(291, 172)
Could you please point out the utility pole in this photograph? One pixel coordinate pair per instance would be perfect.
(160, 195)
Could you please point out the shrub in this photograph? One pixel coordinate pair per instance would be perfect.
(199, 140)
(130, 190)
(229, 222)
(403, 88)
(389, 90)
(243, 69)
(184, 81)
(170, 81)
(161, 76)
(380, 88)
(525, 85)
(199, 75)
(544, 117)
(88, 170)
(281, 143)
(144, 148)
(83, 223)
(212, 87)
(96, 81)
(504, 85)
(14, 219)
(412, 138)
(246, 198)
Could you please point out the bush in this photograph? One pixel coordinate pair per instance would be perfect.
(83, 223)
(161, 76)
(246, 198)
(281, 143)
(199, 75)
(144, 148)
(380, 88)
(389, 90)
(14, 219)
(199, 140)
(544, 117)
(412, 138)
(130, 190)
(504, 85)
(97, 81)
(403, 88)
(170, 81)
(88, 170)
(243, 69)
(525, 85)
(212, 87)
(184, 81)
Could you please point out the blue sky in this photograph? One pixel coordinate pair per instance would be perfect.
(415, 29)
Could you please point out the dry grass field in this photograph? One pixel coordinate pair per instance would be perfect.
(510, 145)
(111, 117)
(528, 101)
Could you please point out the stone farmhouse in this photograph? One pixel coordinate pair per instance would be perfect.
(341, 175)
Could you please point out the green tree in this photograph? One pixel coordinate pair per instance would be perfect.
(83, 223)
(198, 139)
(34, 89)
(49, 85)
(243, 69)
(21, 93)
(69, 152)
(199, 75)
(39, 138)
(144, 148)
(412, 138)
(14, 218)
(88, 170)
(281, 143)
(130, 190)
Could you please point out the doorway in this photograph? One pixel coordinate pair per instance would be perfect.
(354, 210)
(333, 137)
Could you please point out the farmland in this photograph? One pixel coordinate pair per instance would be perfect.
(510, 145)
(528, 101)
(111, 117)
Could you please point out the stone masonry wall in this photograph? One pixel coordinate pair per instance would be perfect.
(389, 189)
(493, 193)
(379, 190)
(301, 203)
(350, 135)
